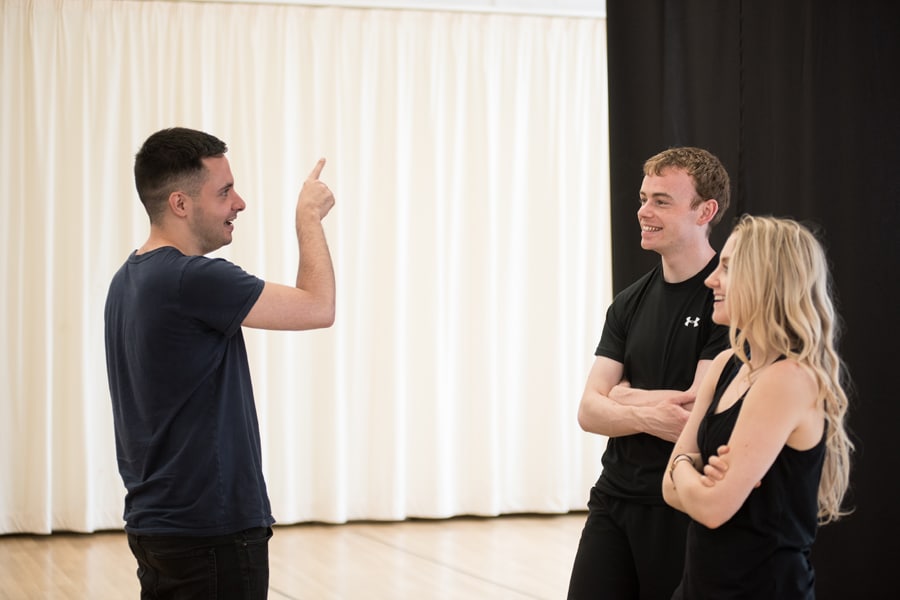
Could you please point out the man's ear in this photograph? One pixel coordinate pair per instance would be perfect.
(708, 210)
(178, 203)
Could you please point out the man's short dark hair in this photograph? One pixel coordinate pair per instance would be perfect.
(710, 177)
(172, 159)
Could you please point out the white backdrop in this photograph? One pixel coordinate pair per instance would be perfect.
(468, 156)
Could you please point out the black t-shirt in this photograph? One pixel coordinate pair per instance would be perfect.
(187, 437)
(658, 331)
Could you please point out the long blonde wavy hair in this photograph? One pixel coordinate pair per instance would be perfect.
(780, 294)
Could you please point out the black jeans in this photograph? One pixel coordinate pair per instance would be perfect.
(225, 567)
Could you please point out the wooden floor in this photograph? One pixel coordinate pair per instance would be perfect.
(508, 558)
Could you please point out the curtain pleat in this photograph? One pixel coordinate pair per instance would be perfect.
(468, 154)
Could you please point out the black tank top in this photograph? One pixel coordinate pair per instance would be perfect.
(763, 550)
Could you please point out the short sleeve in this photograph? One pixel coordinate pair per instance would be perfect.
(218, 293)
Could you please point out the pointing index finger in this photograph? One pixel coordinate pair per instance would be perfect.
(314, 174)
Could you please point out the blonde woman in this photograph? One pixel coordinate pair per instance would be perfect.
(767, 438)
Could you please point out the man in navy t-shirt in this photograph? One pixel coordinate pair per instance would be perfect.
(197, 512)
(657, 342)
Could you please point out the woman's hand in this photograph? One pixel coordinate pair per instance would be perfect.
(716, 468)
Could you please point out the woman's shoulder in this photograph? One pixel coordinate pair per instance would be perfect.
(788, 377)
(723, 357)
(789, 368)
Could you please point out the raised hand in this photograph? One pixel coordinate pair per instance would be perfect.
(315, 198)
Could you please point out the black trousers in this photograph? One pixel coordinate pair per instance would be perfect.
(628, 551)
(226, 567)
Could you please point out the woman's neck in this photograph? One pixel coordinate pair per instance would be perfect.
(760, 357)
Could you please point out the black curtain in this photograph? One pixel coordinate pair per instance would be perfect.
(800, 101)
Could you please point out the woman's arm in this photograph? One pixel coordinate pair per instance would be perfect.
(780, 408)
(687, 441)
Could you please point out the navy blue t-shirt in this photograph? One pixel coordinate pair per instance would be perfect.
(187, 436)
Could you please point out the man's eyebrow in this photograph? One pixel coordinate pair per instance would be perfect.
(226, 187)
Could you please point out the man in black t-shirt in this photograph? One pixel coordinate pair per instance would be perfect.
(197, 512)
(657, 342)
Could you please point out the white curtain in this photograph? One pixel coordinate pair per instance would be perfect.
(468, 156)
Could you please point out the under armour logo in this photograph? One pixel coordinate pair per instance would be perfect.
(695, 321)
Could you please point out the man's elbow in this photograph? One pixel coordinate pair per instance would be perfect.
(584, 420)
(325, 317)
(317, 315)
